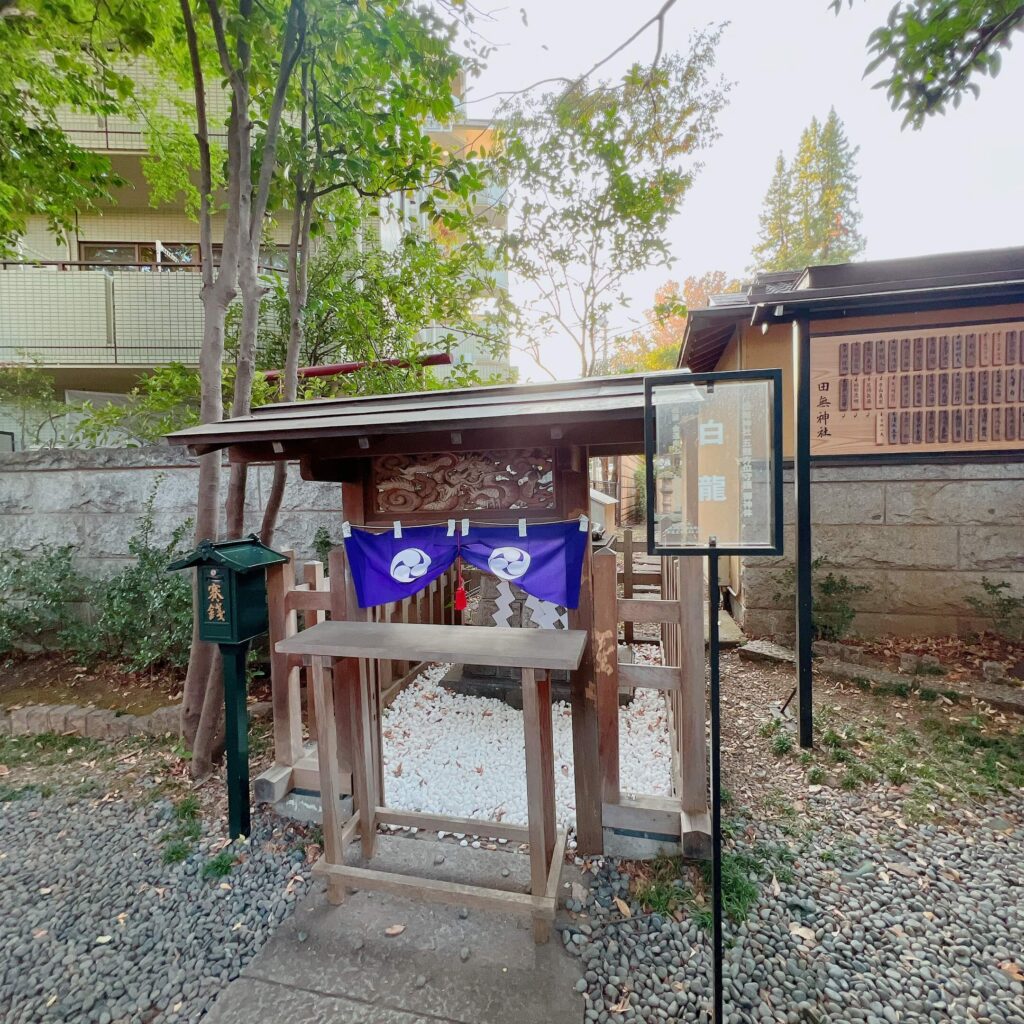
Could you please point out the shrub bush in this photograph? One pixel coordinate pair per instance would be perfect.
(37, 598)
(832, 611)
(142, 614)
(140, 618)
(1001, 608)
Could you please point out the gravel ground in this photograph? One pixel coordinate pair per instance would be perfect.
(94, 927)
(863, 914)
(926, 928)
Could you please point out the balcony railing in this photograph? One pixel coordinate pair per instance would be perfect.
(68, 313)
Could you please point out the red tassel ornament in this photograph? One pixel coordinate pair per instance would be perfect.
(461, 603)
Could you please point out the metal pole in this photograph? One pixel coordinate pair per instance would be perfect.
(802, 488)
(716, 782)
(236, 736)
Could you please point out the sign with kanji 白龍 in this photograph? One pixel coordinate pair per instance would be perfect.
(920, 390)
(713, 448)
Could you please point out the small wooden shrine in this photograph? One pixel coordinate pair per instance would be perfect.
(495, 455)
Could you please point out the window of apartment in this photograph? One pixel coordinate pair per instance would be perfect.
(168, 255)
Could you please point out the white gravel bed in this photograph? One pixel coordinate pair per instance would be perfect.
(464, 756)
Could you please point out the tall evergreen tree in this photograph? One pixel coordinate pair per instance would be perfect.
(805, 185)
(809, 215)
(774, 240)
(837, 238)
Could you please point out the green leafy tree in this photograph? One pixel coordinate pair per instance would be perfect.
(27, 393)
(935, 51)
(61, 57)
(311, 84)
(595, 176)
(369, 304)
(810, 214)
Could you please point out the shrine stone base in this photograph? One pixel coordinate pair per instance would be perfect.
(499, 683)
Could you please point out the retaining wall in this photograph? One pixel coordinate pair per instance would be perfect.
(921, 536)
(92, 499)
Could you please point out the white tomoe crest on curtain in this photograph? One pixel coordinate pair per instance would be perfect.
(409, 565)
(508, 563)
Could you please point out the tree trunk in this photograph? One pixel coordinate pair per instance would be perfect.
(298, 293)
(208, 745)
(217, 293)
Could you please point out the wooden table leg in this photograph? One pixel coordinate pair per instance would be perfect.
(540, 786)
(330, 783)
(363, 761)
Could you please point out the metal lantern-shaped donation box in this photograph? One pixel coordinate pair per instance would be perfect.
(232, 587)
(232, 609)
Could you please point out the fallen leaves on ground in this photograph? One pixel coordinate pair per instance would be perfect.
(1012, 969)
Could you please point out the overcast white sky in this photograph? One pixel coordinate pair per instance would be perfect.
(958, 183)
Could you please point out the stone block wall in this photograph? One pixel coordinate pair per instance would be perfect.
(92, 500)
(921, 536)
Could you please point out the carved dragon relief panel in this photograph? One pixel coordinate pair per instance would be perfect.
(521, 478)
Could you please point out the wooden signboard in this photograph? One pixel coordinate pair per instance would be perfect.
(919, 390)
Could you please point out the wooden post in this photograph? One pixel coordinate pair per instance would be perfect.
(540, 786)
(627, 578)
(575, 483)
(336, 562)
(362, 698)
(285, 692)
(330, 785)
(606, 669)
(314, 576)
(364, 768)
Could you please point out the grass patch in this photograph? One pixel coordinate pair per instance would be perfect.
(739, 889)
(893, 689)
(816, 776)
(219, 866)
(941, 759)
(8, 794)
(671, 885)
(768, 728)
(187, 808)
(782, 744)
(176, 851)
(180, 840)
(47, 748)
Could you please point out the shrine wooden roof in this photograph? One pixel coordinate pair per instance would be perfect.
(602, 413)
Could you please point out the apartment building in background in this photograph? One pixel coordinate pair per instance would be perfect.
(119, 294)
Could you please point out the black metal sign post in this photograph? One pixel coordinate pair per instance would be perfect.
(713, 444)
(236, 736)
(717, 942)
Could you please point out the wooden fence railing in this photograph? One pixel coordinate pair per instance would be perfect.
(294, 605)
(681, 679)
(635, 575)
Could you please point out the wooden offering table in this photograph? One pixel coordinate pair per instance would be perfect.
(347, 650)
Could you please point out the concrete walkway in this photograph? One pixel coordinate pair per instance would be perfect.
(335, 964)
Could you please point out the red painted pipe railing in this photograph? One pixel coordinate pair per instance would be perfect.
(337, 369)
